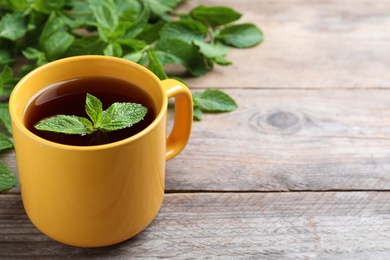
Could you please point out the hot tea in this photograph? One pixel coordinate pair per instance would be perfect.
(68, 98)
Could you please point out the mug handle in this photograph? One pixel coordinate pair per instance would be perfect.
(180, 134)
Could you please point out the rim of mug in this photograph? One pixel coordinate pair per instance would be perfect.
(19, 122)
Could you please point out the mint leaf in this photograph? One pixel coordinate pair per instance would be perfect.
(155, 65)
(131, 43)
(6, 76)
(12, 26)
(7, 179)
(241, 35)
(55, 40)
(136, 26)
(86, 45)
(212, 50)
(220, 60)
(215, 15)
(106, 17)
(94, 108)
(55, 23)
(157, 7)
(5, 56)
(5, 142)
(173, 3)
(5, 117)
(121, 115)
(185, 30)
(57, 44)
(113, 49)
(34, 54)
(188, 54)
(197, 113)
(17, 5)
(134, 56)
(66, 124)
(213, 100)
(151, 32)
(45, 6)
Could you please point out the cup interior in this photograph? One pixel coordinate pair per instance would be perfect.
(66, 69)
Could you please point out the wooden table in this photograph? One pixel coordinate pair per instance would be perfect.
(300, 170)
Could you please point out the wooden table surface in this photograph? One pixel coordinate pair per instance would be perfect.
(301, 169)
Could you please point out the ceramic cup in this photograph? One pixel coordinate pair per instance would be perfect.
(91, 196)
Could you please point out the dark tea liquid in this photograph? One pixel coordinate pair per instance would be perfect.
(68, 98)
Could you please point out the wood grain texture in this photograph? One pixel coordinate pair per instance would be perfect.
(272, 225)
(308, 44)
(290, 140)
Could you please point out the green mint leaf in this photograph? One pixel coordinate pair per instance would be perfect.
(132, 8)
(12, 26)
(57, 44)
(105, 13)
(220, 60)
(79, 14)
(215, 15)
(94, 108)
(136, 26)
(113, 49)
(34, 54)
(213, 100)
(17, 5)
(6, 74)
(55, 40)
(106, 17)
(140, 57)
(5, 142)
(7, 178)
(134, 56)
(155, 65)
(198, 114)
(5, 117)
(5, 56)
(45, 6)
(212, 50)
(173, 3)
(151, 32)
(157, 7)
(121, 115)
(54, 23)
(66, 124)
(131, 43)
(86, 46)
(7, 81)
(241, 35)
(188, 54)
(185, 30)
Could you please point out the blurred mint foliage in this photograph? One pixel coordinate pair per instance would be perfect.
(149, 32)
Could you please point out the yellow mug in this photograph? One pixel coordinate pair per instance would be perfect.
(91, 196)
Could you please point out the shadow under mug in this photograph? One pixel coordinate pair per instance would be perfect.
(91, 196)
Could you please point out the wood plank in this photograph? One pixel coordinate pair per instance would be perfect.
(274, 225)
(290, 140)
(308, 44)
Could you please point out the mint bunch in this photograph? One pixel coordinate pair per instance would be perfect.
(149, 32)
(117, 116)
(7, 178)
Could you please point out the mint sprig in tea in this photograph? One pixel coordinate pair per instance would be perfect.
(89, 111)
